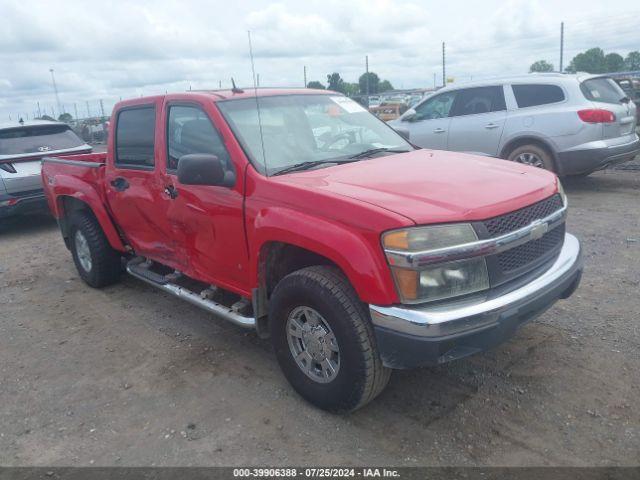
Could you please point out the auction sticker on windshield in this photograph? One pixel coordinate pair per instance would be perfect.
(349, 105)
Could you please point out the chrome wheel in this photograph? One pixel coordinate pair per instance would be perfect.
(313, 344)
(82, 251)
(529, 158)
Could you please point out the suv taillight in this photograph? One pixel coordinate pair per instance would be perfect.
(596, 115)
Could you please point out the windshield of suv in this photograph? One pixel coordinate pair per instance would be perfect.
(37, 139)
(300, 129)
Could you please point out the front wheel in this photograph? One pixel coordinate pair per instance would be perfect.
(324, 341)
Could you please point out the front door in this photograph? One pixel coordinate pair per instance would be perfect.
(206, 222)
(477, 120)
(429, 127)
(133, 187)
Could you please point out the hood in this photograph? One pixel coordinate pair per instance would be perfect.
(431, 186)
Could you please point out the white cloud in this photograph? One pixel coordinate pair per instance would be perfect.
(123, 48)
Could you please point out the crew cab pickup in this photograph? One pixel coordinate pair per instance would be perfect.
(299, 214)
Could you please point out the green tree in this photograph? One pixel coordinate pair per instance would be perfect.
(615, 62)
(65, 117)
(632, 62)
(385, 86)
(374, 82)
(591, 61)
(335, 82)
(316, 84)
(541, 66)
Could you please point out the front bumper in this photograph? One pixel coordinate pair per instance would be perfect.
(576, 162)
(429, 335)
(27, 203)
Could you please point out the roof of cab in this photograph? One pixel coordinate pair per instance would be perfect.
(228, 94)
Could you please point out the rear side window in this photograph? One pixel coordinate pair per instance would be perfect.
(135, 131)
(532, 95)
(472, 101)
(37, 139)
(602, 90)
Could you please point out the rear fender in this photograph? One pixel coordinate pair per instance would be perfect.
(71, 187)
(358, 254)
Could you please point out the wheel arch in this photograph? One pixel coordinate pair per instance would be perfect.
(514, 143)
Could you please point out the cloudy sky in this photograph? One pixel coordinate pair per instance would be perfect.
(112, 49)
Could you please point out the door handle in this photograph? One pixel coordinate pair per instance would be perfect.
(120, 184)
(171, 192)
(439, 130)
(489, 126)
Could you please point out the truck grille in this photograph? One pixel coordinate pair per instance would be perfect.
(517, 261)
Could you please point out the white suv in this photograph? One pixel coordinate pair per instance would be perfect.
(570, 124)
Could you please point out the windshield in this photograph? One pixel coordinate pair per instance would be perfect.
(306, 128)
(37, 139)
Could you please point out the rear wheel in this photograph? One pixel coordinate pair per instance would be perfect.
(98, 264)
(324, 341)
(534, 156)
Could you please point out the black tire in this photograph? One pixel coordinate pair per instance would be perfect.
(541, 153)
(361, 375)
(105, 262)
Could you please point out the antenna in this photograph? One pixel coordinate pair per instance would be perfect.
(235, 89)
(255, 92)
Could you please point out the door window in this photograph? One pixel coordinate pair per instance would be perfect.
(189, 131)
(472, 101)
(438, 106)
(532, 95)
(135, 131)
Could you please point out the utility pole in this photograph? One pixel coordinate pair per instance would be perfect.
(444, 72)
(258, 79)
(304, 69)
(39, 114)
(55, 89)
(102, 107)
(434, 80)
(75, 109)
(366, 74)
(88, 112)
(561, 44)
(220, 84)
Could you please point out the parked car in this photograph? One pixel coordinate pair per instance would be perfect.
(352, 251)
(568, 124)
(387, 111)
(631, 87)
(22, 146)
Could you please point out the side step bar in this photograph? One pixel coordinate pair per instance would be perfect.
(228, 313)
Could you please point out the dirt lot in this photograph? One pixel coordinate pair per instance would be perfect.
(130, 376)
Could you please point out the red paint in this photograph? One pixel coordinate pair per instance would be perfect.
(216, 234)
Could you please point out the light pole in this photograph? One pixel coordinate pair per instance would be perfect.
(55, 89)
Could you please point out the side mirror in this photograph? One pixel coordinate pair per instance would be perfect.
(202, 169)
(409, 115)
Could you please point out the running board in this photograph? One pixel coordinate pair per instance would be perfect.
(228, 313)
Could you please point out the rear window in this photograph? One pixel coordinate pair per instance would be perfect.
(532, 95)
(135, 131)
(602, 90)
(38, 139)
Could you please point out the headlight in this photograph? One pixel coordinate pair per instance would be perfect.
(437, 282)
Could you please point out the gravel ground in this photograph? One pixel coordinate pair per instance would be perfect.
(130, 376)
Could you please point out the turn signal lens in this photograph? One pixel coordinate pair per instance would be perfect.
(407, 283)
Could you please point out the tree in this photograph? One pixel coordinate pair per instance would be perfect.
(385, 86)
(335, 82)
(351, 89)
(614, 62)
(591, 61)
(374, 82)
(316, 84)
(46, 117)
(632, 62)
(65, 117)
(541, 66)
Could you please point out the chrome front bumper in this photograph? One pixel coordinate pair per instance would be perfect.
(460, 323)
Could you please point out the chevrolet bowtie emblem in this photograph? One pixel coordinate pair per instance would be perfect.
(539, 229)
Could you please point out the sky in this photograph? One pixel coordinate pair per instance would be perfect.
(120, 49)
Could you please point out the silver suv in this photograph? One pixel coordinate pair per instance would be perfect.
(22, 146)
(569, 124)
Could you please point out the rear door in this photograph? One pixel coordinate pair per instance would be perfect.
(429, 128)
(133, 186)
(478, 117)
(607, 94)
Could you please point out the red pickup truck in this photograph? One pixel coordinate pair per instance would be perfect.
(299, 214)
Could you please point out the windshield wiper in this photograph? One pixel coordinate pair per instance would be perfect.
(296, 167)
(373, 151)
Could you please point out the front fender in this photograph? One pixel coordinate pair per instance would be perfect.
(357, 253)
(69, 186)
